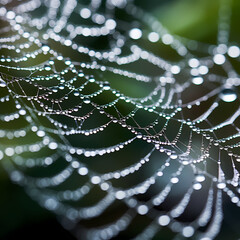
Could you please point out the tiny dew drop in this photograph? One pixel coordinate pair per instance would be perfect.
(76, 93)
(106, 86)
(86, 100)
(91, 79)
(2, 83)
(228, 95)
(45, 48)
(200, 177)
(47, 67)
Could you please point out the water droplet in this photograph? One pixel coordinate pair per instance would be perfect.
(175, 69)
(135, 33)
(91, 79)
(234, 51)
(87, 101)
(228, 95)
(219, 59)
(197, 80)
(174, 180)
(2, 83)
(95, 180)
(200, 177)
(153, 37)
(85, 13)
(142, 209)
(197, 186)
(188, 231)
(83, 171)
(164, 220)
(193, 63)
(221, 185)
(106, 86)
(47, 67)
(45, 48)
(120, 194)
(76, 93)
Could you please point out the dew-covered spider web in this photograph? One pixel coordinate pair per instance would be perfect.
(121, 128)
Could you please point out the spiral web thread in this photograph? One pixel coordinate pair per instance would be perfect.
(72, 130)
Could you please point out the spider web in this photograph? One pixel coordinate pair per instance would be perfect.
(116, 125)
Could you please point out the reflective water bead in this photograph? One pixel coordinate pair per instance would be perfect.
(197, 80)
(47, 67)
(2, 83)
(219, 59)
(87, 100)
(106, 86)
(200, 177)
(197, 186)
(164, 220)
(135, 33)
(85, 13)
(228, 95)
(153, 37)
(234, 51)
(45, 48)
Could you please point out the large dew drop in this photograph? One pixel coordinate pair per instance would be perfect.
(228, 95)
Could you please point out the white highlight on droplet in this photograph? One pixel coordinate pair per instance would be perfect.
(197, 186)
(135, 33)
(142, 209)
(53, 145)
(200, 178)
(45, 48)
(221, 185)
(219, 59)
(153, 37)
(228, 95)
(83, 171)
(193, 62)
(197, 80)
(9, 151)
(10, 15)
(85, 13)
(188, 231)
(120, 194)
(95, 180)
(174, 180)
(167, 39)
(111, 24)
(175, 69)
(203, 70)
(234, 51)
(164, 220)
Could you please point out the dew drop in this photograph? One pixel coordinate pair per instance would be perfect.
(197, 186)
(2, 83)
(228, 95)
(174, 180)
(45, 48)
(135, 33)
(197, 80)
(164, 220)
(234, 51)
(221, 185)
(153, 37)
(106, 86)
(47, 67)
(87, 101)
(200, 177)
(142, 209)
